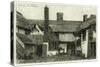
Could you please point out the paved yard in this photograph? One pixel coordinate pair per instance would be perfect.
(51, 59)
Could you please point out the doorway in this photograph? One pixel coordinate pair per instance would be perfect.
(93, 50)
(71, 48)
(39, 50)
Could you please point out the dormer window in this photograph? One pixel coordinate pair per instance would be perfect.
(36, 30)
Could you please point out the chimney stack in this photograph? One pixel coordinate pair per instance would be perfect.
(85, 17)
(46, 24)
(59, 16)
(46, 18)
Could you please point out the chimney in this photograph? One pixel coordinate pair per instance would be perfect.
(46, 18)
(59, 16)
(85, 17)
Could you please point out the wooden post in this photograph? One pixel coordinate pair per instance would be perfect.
(75, 47)
(44, 49)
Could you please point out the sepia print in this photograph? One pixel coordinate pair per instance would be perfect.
(54, 32)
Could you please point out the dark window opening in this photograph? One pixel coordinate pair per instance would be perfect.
(27, 32)
(53, 46)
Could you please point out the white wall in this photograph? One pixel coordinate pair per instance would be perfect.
(94, 34)
(66, 37)
(84, 44)
(22, 31)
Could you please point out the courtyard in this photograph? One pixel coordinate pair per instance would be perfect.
(55, 58)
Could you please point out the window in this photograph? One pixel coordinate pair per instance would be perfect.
(27, 32)
(53, 46)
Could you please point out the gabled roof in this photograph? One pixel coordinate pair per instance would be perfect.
(22, 21)
(54, 25)
(88, 22)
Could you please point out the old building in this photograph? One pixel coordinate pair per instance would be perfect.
(28, 38)
(52, 37)
(63, 31)
(88, 36)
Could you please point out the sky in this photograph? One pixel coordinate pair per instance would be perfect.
(32, 10)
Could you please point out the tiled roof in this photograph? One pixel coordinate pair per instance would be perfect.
(91, 20)
(24, 38)
(31, 39)
(51, 37)
(64, 26)
(22, 21)
(56, 26)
